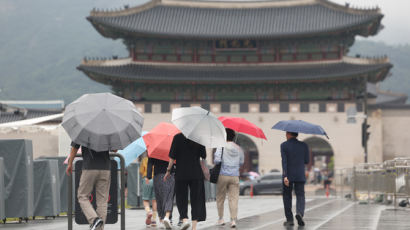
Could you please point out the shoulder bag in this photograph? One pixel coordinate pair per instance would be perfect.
(214, 172)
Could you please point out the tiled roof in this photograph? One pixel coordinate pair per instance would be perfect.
(35, 104)
(204, 73)
(381, 97)
(269, 19)
(11, 113)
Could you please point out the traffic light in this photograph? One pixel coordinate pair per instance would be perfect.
(365, 133)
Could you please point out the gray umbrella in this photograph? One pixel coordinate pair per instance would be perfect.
(102, 121)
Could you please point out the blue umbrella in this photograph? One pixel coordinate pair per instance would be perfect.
(298, 126)
(133, 150)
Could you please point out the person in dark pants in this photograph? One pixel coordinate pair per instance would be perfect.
(295, 154)
(164, 190)
(188, 174)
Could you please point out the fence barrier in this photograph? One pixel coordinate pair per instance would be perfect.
(384, 183)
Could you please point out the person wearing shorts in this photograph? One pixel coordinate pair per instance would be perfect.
(148, 194)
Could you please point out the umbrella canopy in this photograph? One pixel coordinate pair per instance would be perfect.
(102, 121)
(159, 140)
(200, 126)
(242, 125)
(298, 126)
(254, 174)
(133, 150)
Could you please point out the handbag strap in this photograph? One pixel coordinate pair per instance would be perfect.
(222, 154)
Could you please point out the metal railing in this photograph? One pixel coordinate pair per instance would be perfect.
(385, 182)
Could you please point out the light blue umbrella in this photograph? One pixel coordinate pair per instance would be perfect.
(298, 126)
(133, 150)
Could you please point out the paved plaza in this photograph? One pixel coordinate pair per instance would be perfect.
(266, 212)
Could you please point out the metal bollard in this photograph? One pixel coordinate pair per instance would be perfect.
(354, 180)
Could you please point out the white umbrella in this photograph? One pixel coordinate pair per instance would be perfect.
(200, 126)
(102, 121)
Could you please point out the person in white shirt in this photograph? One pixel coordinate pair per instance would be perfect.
(232, 158)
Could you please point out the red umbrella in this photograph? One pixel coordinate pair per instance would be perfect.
(159, 140)
(243, 126)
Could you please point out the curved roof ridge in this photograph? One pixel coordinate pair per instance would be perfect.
(237, 4)
(92, 61)
(126, 61)
(183, 72)
(366, 60)
(348, 8)
(126, 10)
(228, 5)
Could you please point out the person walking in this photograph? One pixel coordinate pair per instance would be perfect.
(232, 157)
(295, 154)
(164, 190)
(95, 173)
(188, 175)
(148, 193)
(327, 179)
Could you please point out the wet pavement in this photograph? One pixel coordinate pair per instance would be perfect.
(266, 212)
(333, 214)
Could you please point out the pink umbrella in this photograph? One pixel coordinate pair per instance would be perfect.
(243, 126)
(159, 140)
(254, 174)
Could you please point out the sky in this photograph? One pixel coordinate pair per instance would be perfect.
(396, 17)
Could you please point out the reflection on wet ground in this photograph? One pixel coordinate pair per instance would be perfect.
(266, 213)
(332, 214)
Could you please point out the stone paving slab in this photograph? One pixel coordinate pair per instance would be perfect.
(135, 219)
(392, 219)
(268, 220)
(266, 212)
(323, 214)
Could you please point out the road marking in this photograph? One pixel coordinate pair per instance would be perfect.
(282, 219)
(379, 213)
(333, 216)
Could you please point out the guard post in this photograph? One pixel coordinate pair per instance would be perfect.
(122, 193)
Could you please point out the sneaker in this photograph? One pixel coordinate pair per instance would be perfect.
(300, 220)
(148, 219)
(96, 224)
(233, 224)
(179, 223)
(167, 223)
(153, 223)
(288, 223)
(161, 226)
(185, 225)
(220, 222)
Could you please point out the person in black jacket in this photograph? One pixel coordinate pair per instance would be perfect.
(295, 154)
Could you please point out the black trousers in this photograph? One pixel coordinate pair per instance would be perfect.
(197, 195)
(300, 199)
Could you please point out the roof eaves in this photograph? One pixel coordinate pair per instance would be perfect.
(347, 9)
(97, 23)
(95, 13)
